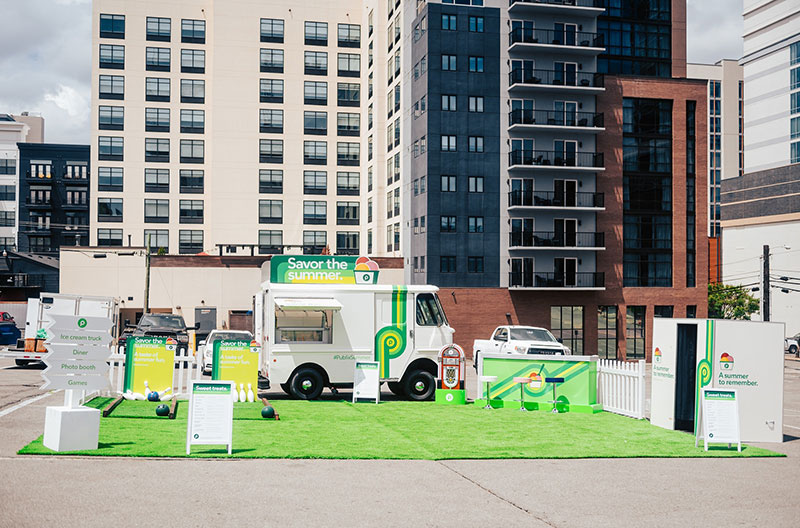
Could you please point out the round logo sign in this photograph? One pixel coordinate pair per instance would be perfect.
(449, 397)
(81, 323)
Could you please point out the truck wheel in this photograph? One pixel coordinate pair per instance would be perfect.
(22, 362)
(397, 388)
(793, 349)
(306, 384)
(419, 385)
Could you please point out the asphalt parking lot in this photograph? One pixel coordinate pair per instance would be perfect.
(70, 491)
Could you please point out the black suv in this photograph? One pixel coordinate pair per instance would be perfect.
(165, 325)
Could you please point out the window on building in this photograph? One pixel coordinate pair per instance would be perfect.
(156, 180)
(109, 178)
(691, 311)
(191, 211)
(8, 166)
(191, 181)
(272, 30)
(447, 264)
(566, 323)
(348, 183)
(192, 151)
(271, 90)
(270, 181)
(475, 184)
(348, 153)
(8, 193)
(476, 64)
(156, 149)
(474, 264)
(315, 92)
(316, 63)
(270, 241)
(109, 209)
(109, 237)
(193, 91)
(315, 123)
(193, 31)
(7, 219)
(112, 26)
(270, 120)
(112, 56)
(190, 241)
(663, 311)
(347, 242)
(193, 61)
(349, 64)
(448, 224)
(315, 152)
(448, 143)
(448, 22)
(157, 240)
(158, 29)
(475, 224)
(448, 63)
(635, 332)
(156, 211)
(315, 212)
(112, 87)
(607, 332)
(448, 183)
(76, 197)
(315, 182)
(156, 119)
(270, 150)
(271, 60)
(347, 213)
(475, 104)
(156, 89)
(349, 35)
(475, 143)
(157, 59)
(476, 24)
(314, 242)
(316, 33)
(448, 103)
(348, 124)
(110, 117)
(348, 94)
(193, 121)
(109, 148)
(270, 211)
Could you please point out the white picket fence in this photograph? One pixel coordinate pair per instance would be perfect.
(621, 387)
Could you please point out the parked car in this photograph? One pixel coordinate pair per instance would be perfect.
(165, 325)
(6, 317)
(791, 344)
(519, 340)
(206, 347)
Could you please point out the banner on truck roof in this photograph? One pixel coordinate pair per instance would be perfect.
(322, 269)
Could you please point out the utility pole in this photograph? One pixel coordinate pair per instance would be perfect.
(147, 276)
(765, 286)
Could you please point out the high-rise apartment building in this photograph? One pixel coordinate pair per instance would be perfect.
(761, 207)
(543, 150)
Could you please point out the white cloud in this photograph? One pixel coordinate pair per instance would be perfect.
(713, 30)
(69, 99)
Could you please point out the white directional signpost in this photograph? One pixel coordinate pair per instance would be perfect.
(78, 350)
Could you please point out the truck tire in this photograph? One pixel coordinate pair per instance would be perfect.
(306, 384)
(793, 349)
(397, 388)
(419, 385)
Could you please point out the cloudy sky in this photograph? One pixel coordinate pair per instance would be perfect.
(45, 57)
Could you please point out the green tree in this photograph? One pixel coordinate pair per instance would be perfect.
(730, 302)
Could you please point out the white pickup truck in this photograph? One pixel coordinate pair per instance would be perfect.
(519, 340)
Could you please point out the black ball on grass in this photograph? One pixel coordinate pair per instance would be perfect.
(162, 410)
(267, 412)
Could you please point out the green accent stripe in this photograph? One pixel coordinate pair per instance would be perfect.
(391, 341)
(705, 371)
(128, 365)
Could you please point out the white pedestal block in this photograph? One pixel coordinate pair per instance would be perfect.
(71, 428)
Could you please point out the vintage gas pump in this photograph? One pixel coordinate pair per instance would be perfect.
(450, 387)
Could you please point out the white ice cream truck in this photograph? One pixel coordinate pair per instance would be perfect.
(317, 314)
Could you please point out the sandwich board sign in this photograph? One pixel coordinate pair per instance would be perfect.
(366, 381)
(720, 418)
(210, 414)
(237, 360)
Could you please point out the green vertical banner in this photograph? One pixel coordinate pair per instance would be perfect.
(237, 361)
(705, 371)
(391, 341)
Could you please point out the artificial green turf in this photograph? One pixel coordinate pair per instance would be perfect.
(395, 430)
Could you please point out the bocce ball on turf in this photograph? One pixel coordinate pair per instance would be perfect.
(162, 410)
(267, 412)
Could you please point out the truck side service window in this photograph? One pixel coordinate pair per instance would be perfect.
(429, 311)
(303, 327)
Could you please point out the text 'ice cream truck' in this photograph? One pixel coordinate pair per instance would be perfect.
(317, 314)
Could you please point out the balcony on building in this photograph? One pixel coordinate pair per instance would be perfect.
(559, 7)
(555, 160)
(313, 250)
(577, 201)
(347, 251)
(561, 41)
(520, 120)
(524, 79)
(35, 204)
(38, 178)
(270, 250)
(554, 239)
(581, 280)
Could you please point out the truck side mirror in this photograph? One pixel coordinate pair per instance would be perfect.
(560, 340)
